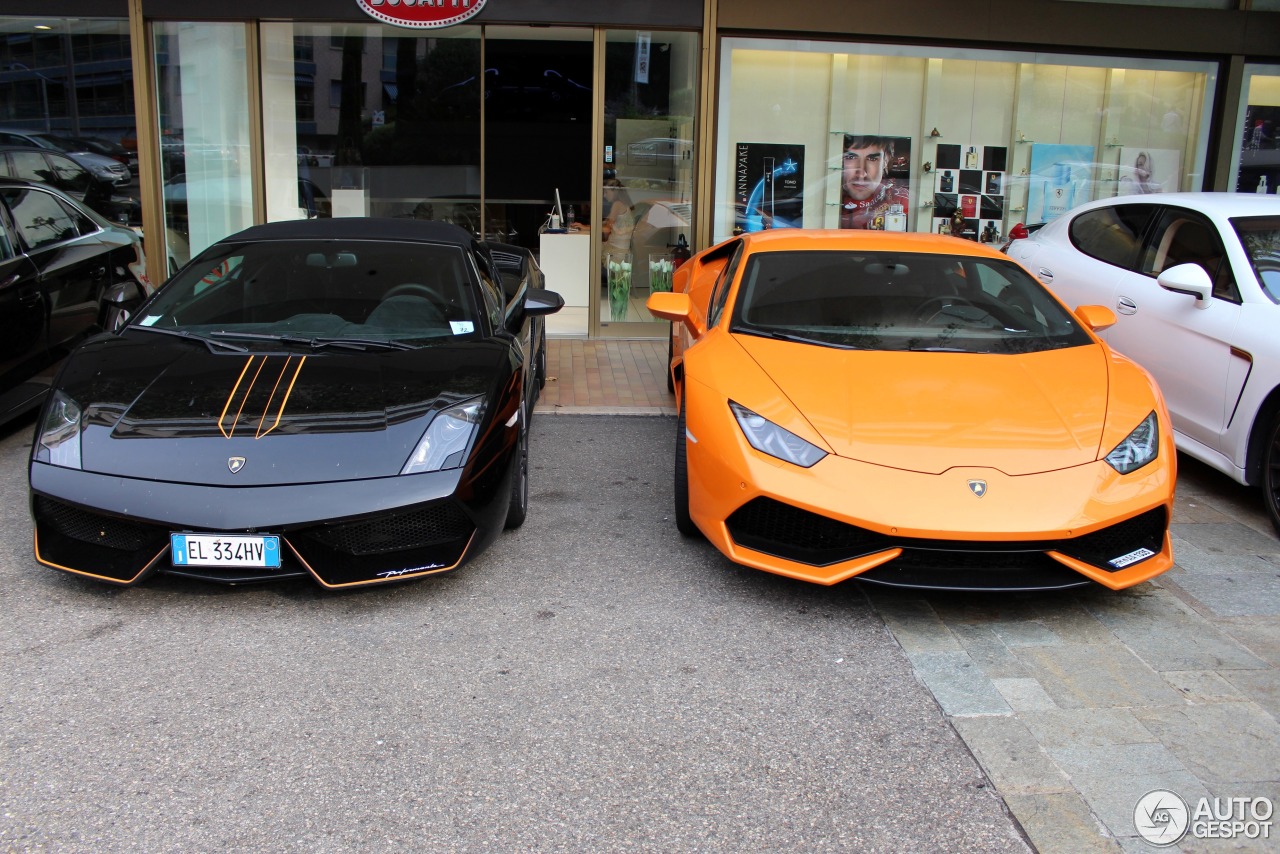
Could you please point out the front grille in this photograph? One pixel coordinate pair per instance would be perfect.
(423, 527)
(772, 527)
(94, 528)
(769, 526)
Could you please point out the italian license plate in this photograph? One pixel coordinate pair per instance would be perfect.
(225, 550)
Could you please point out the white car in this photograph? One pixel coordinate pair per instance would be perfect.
(1194, 279)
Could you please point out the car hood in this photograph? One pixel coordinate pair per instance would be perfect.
(929, 412)
(170, 410)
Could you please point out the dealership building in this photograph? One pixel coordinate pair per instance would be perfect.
(712, 118)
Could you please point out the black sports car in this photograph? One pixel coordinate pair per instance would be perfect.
(342, 398)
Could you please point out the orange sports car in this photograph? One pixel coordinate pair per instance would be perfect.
(913, 410)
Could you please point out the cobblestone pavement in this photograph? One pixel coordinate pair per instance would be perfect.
(1078, 704)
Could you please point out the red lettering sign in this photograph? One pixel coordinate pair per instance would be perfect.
(421, 13)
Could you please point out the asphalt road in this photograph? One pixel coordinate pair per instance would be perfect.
(593, 682)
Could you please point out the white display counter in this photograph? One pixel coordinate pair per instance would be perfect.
(566, 263)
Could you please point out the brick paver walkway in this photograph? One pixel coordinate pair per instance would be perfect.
(619, 376)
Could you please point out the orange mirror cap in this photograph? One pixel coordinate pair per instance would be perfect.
(676, 307)
(1096, 317)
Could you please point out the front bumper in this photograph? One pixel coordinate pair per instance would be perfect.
(843, 518)
(342, 534)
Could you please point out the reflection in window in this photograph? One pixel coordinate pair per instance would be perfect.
(39, 218)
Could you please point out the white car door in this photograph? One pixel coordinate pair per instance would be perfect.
(1186, 347)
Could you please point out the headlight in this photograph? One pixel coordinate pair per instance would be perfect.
(1138, 448)
(768, 438)
(59, 442)
(449, 436)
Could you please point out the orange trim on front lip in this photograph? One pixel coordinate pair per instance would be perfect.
(93, 575)
(371, 581)
(1120, 579)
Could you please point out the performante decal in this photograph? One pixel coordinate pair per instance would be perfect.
(242, 390)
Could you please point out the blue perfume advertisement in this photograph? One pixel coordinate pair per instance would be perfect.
(1061, 178)
(768, 186)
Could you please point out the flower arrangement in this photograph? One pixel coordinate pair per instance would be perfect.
(660, 270)
(619, 267)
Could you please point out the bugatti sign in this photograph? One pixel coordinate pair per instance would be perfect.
(422, 13)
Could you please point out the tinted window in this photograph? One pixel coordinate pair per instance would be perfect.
(327, 290)
(31, 166)
(69, 175)
(901, 301)
(39, 217)
(1112, 234)
(1260, 237)
(721, 292)
(1183, 237)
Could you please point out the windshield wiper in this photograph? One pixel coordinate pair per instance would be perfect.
(191, 336)
(799, 339)
(317, 343)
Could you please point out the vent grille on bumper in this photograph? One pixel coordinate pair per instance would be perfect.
(778, 529)
(424, 527)
(96, 543)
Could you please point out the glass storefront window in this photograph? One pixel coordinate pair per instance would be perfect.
(827, 135)
(371, 120)
(1257, 158)
(650, 98)
(66, 85)
(203, 107)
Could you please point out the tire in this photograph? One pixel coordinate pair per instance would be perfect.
(671, 354)
(1271, 472)
(684, 523)
(518, 506)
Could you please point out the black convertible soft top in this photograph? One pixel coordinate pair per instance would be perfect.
(356, 228)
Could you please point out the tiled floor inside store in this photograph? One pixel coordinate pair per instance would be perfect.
(623, 376)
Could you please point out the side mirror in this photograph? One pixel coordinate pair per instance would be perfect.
(676, 307)
(1096, 317)
(1189, 279)
(540, 301)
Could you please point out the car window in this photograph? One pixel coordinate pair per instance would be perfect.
(31, 166)
(69, 175)
(40, 218)
(1184, 237)
(721, 293)
(901, 301)
(324, 290)
(84, 225)
(494, 302)
(1260, 237)
(1112, 234)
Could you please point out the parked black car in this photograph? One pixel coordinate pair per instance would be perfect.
(519, 271)
(61, 171)
(65, 273)
(341, 399)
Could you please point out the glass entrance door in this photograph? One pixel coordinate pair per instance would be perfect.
(650, 91)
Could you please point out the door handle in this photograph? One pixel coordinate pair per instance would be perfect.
(1124, 305)
(1045, 275)
(11, 280)
(98, 272)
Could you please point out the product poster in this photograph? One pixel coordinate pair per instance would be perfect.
(768, 186)
(1259, 151)
(1061, 178)
(875, 182)
(1147, 170)
(969, 186)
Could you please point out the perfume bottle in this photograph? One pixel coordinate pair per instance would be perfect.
(1060, 192)
(971, 158)
(896, 219)
(947, 183)
(993, 183)
(969, 206)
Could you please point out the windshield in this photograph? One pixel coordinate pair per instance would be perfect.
(1260, 237)
(901, 301)
(318, 291)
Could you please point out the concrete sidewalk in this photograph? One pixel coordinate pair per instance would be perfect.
(1076, 705)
